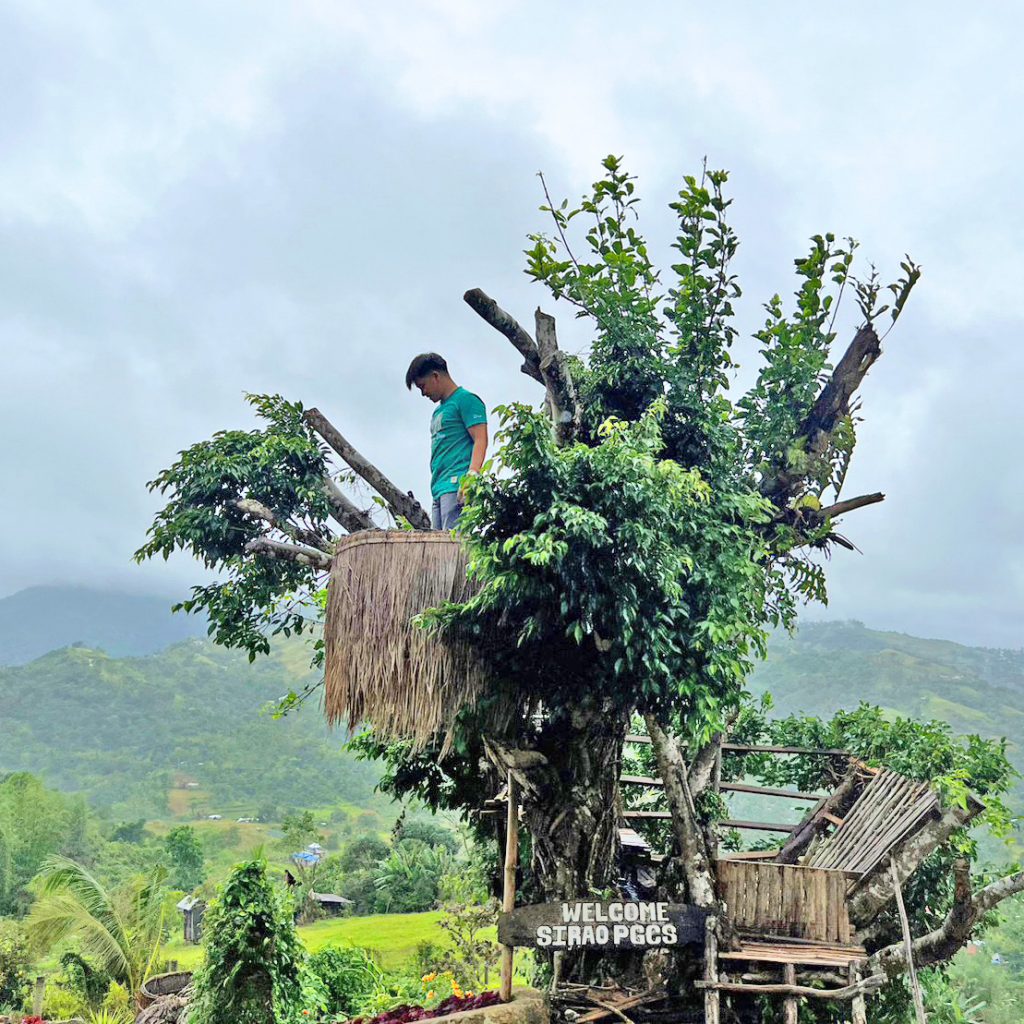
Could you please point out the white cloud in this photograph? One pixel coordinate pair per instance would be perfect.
(200, 199)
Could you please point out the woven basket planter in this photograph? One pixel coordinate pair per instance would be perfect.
(380, 668)
(162, 985)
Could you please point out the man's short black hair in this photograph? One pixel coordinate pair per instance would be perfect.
(426, 362)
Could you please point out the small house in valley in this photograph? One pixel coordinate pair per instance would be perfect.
(192, 910)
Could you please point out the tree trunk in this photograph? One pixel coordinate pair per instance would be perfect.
(571, 810)
(573, 816)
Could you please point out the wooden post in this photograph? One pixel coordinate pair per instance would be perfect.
(38, 991)
(712, 999)
(790, 1005)
(915, 985)
(509, 893)
(858, 1008)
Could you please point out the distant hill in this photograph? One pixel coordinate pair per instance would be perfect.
(125, 730)
(42, 619)
(833, 665)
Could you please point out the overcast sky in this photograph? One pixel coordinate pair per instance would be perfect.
(203, 199)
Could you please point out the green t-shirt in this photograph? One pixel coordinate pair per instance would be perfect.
(451, 446)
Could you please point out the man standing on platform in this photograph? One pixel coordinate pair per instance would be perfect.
(458, 436)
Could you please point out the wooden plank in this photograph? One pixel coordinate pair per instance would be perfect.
(775, 896)
(810, 955)
(793, 794)
(755, 748)
(728, 787)
(762, 826)
(747, 855)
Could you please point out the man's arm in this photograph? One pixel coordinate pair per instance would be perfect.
(479, 435)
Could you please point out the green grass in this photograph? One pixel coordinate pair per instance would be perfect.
(393, 937)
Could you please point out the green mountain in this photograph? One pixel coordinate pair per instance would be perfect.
(41, 619)
(192, 719)
(833, 665)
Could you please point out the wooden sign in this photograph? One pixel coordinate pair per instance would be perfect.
(602, 924)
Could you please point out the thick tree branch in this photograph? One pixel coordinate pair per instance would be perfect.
(873, 892)
(344, 511)
(289, 552)
(861, 988)
(942, 943)
(693, 851)
(256, 508)
(837, 805)
(702, 768)
(400, 503)
(562, 399)
(842, 507)
(831, 405)
(484, 306)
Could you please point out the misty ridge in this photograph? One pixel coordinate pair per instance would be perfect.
(110, 694)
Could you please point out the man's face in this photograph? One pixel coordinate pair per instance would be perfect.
(430, 386)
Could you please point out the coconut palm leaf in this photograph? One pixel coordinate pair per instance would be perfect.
(120, 928)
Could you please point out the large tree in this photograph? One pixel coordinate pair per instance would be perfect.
(635, 538)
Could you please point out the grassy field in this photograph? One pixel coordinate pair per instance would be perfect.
(393, 937)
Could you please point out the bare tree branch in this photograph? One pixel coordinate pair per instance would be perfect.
(256, 508)
(344, 511)
(940, 944)
(562, 399)
(842, 507)
(484, 306)
(400, 503)
(831, 405)
(289, 552)
(837, 804)
(877, 889)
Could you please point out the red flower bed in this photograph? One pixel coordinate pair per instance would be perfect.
(453, 1004)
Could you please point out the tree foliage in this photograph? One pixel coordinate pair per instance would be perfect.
(186, 856)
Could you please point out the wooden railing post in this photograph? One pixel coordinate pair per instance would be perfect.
(509, 892)
(712, 998)
(790, 1005)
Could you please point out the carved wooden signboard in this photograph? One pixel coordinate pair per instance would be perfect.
(607, 924)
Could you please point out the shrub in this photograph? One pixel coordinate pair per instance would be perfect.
(349, 975)
(84, 978)
(117, 1001)
(251, 973)
(15, 963)
(60, 1003)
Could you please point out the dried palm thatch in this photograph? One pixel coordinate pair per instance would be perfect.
(380, 668)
